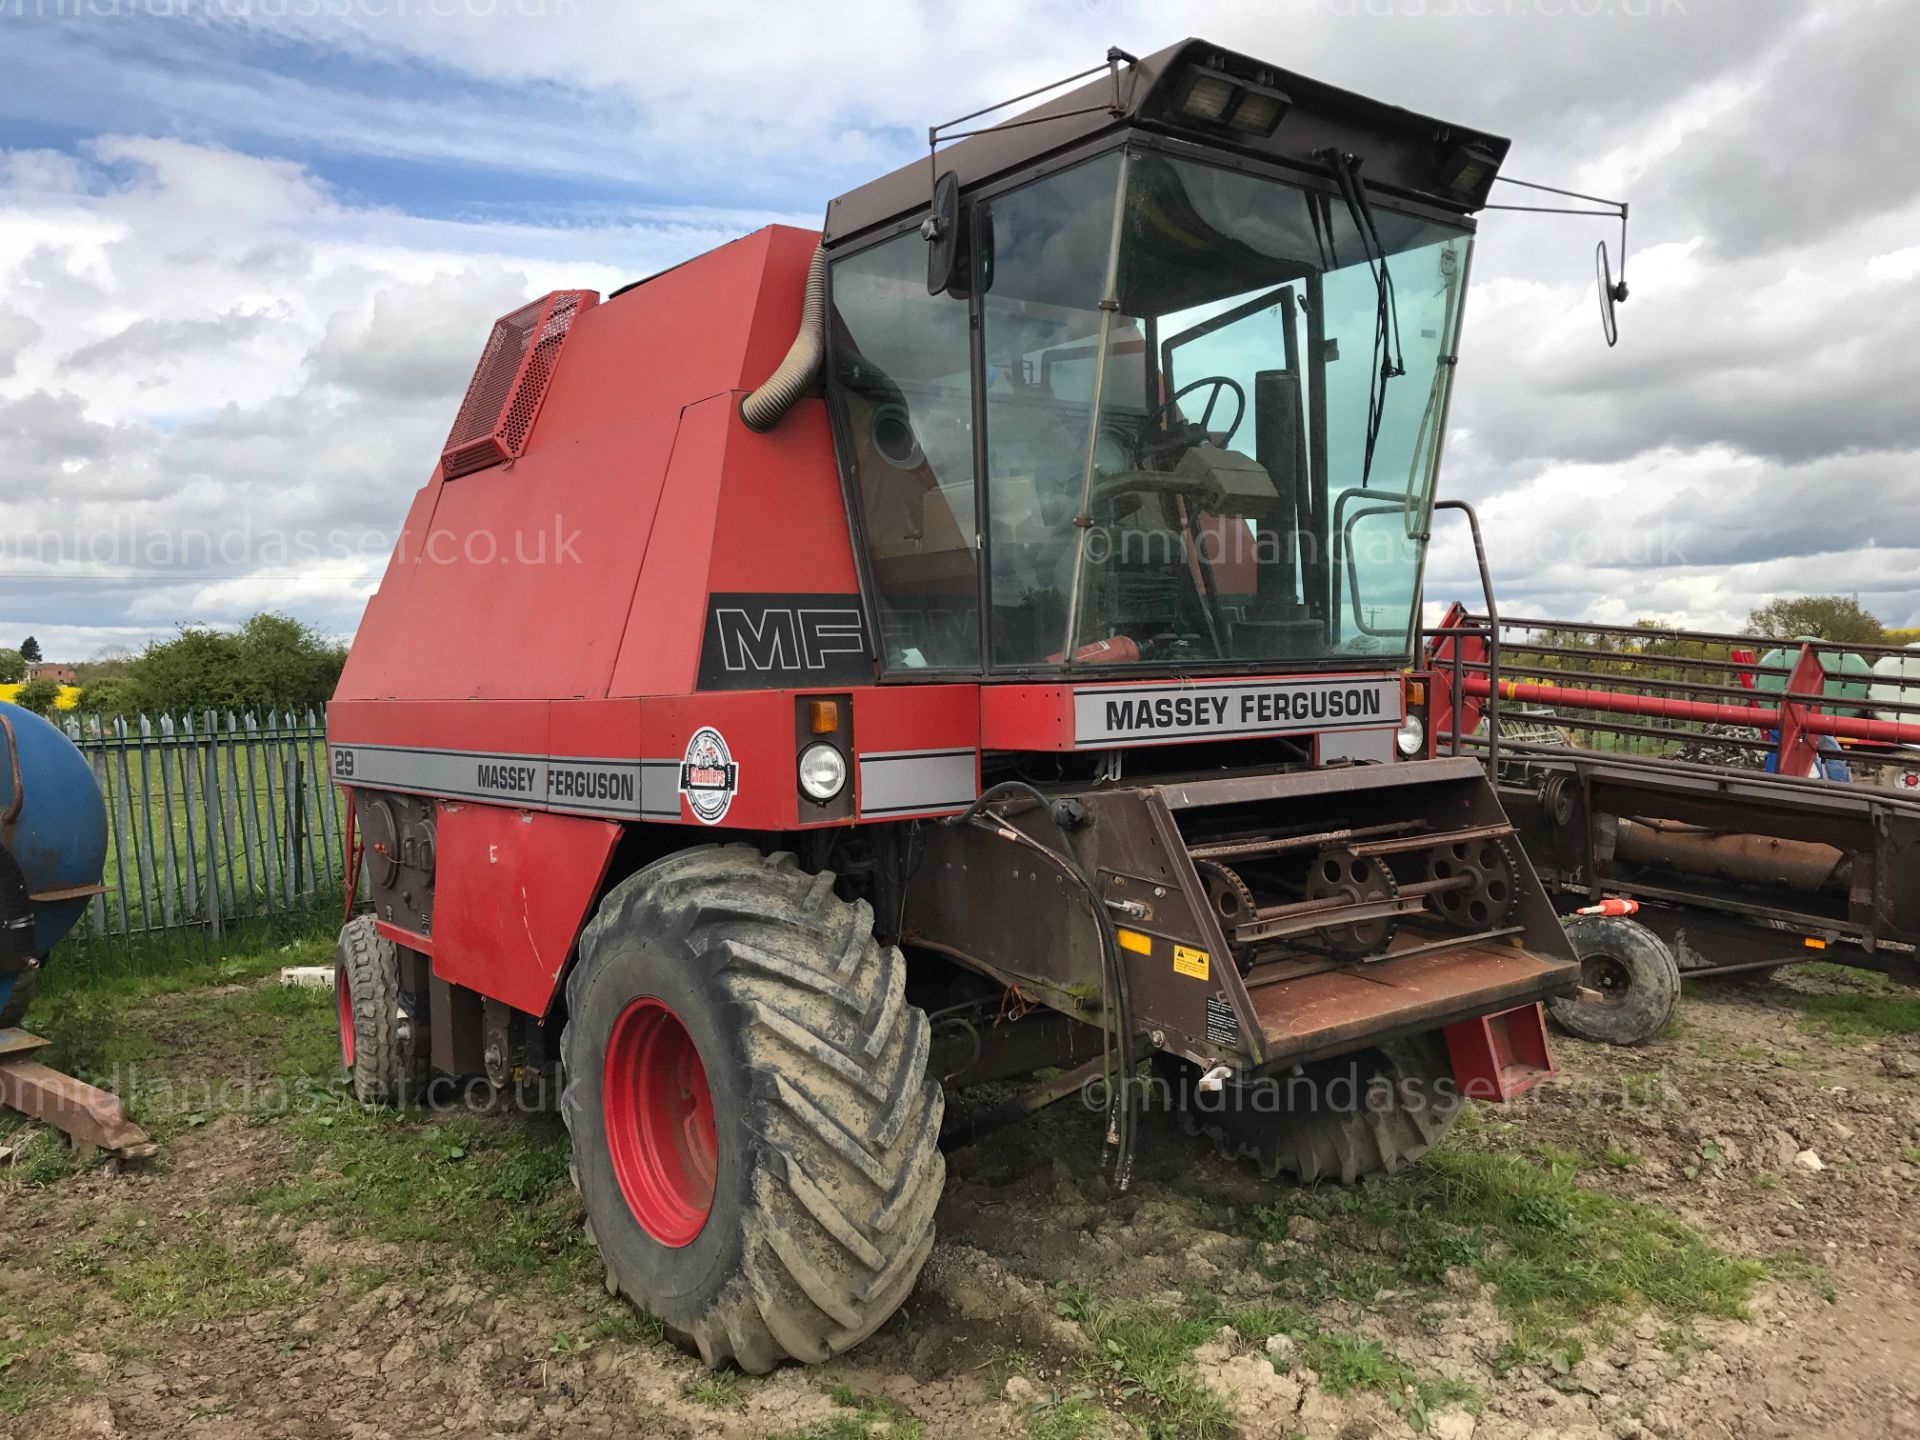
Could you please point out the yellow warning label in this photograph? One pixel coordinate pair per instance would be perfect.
(1190, 962)
(1133, 940)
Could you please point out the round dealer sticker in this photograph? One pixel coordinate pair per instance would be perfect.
(708, 776)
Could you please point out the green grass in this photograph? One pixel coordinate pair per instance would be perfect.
(202, 1278)
(490, 1190)
(197, 1275)
(1855, 1015)
(96, 1025)
(1070, 1419)
(193, 1277)
(1145, 1354)
(40, 1156)
(1347, 1363)
(722, 1390)
(1643, 1087)
(1558, 1256)
(485, 1194)
(628, 1324)
(32, 1369)
(103, 1032)
(860, 1418)
(1868, 1005)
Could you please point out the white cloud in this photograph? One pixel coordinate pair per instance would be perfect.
(220, 385)
(200, 340)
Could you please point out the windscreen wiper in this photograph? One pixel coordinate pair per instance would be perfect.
(1389, 360)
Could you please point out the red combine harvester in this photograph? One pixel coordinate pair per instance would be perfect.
(1017, 678)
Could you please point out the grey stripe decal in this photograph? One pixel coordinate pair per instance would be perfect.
(903, 782)
(625, 789)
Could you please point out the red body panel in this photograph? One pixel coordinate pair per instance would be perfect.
(513, 890)
(524, 580)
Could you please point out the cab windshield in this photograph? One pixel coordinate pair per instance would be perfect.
(1206, 470)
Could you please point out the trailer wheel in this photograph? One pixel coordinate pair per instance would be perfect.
(754, 1129)
(1365, 1113)
(20, 996)
(1635, 974)
(377, 1050)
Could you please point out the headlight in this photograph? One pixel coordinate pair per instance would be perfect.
(1411, 738)
(823, 772)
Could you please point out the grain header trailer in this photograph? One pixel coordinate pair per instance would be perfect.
(970, 640)
(1754, 802)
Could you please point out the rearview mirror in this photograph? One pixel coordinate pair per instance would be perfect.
(1611, 293)
(946, 256)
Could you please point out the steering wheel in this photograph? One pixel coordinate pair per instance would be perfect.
(1217, 383)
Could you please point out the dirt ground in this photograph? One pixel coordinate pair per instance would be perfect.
(231, 1288)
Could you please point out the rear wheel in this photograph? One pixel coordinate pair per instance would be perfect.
(1366, 1113)
(377, 1049)
(754, 1131)
(1631, 972)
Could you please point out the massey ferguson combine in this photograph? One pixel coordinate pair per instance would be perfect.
(1013, 676)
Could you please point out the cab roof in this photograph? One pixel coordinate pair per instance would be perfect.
(1402, 152)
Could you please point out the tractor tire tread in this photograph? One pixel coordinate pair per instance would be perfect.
(843, 1117)
(385, 1070)
(1348, 1146)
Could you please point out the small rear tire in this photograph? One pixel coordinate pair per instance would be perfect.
(377, 1050)
(755, 1135)
(1365, 1113)
(1634, 974)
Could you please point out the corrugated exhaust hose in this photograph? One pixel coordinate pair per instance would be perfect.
(794, 375)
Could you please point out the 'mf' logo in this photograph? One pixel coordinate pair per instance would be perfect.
(787, 639)
(765, 641)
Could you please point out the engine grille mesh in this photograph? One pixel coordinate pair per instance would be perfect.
(503, 398)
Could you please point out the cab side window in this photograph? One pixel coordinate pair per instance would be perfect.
(900, 359)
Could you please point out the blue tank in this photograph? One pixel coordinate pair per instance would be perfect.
(53, 840)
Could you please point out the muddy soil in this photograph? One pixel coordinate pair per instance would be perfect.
(1775, 1142)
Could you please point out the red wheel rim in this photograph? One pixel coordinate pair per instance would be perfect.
(343, 1002)
(659, 1122)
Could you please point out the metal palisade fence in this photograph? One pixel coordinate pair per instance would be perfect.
(215, 824)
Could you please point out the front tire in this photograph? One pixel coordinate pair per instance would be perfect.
(754, 1130)
(1356, 1115)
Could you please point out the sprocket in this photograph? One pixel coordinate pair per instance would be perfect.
(1359, 880)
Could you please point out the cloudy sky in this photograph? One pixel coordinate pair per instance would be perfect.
(249, 250)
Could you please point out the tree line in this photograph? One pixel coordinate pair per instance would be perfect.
(272, 662)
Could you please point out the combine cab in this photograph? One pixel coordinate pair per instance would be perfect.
(1015, 675)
